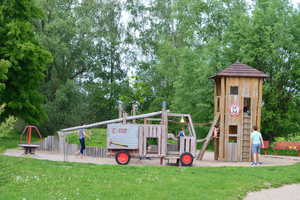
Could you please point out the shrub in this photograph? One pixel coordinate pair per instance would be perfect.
(7, 126)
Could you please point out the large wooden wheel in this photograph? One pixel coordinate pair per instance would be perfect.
(186, 159)
(122, 157)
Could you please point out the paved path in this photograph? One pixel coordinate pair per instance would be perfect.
(287, 192)
(206, 162)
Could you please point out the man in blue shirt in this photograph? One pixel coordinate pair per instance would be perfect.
(256, 142)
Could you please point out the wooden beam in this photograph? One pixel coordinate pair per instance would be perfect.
(208, 138)
(258, 114)
(192, 126)
(178, 115)
(222, 119)
(153, 119)
(112, 121)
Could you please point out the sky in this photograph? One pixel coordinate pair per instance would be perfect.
(295, 2)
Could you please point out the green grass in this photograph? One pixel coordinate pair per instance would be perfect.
(97, 138)
(12, 141)
(283, 152)
(26, 178)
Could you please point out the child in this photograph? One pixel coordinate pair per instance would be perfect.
(256, 143)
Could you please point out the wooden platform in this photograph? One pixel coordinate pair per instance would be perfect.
(29, 148)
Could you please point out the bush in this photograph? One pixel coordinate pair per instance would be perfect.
(7, 126)
(97, 137)
(290, 138)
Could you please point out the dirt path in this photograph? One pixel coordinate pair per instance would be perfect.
(206, 162)
(288, 192)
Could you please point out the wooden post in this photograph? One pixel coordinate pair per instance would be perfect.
(259, 103)
(192, 126)
(222, 120)
(133, 112)
(124, 117)
(164, 134)
(120, 108)
(208, 138)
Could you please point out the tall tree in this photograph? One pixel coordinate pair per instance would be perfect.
(85, 38)
(27, 59)
(267, 40)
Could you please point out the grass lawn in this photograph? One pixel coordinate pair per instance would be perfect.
(13, 140)
(97, 137)
(26, 178)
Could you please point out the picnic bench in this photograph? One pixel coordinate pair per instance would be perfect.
(287, 146)
(266, 147)
(29, 148)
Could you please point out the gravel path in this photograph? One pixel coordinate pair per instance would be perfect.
(206, 162)
(287, 192)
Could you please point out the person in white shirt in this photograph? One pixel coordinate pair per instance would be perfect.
(256, 142)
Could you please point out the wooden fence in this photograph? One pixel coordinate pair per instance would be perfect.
(53, 144)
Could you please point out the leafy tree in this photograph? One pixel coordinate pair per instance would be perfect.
(85, 39)
(267, 40)
(68, 108)
(7, 126)
(4, 65)
(27, 59)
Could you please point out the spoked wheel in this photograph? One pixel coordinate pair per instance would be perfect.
(122, 157)
(186, 159)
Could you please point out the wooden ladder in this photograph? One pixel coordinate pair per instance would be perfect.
(208, 137)
(246, 137)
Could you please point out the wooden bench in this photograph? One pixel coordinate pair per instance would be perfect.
(29, 148)
(266, 147)
(287, 146)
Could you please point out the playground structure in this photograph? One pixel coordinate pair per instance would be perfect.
(237, 107)
(126, 140)
(29, 148)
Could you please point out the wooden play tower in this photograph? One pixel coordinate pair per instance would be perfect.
(237, 108)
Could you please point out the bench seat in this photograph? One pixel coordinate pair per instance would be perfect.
(282, 145)
(29, 148)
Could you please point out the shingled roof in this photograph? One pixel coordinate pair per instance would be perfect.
(240, 70)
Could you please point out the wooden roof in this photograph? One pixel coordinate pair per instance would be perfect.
(240, 70)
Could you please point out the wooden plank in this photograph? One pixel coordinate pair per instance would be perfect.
(192, 126)
(150, 135)
(164, 133)
(153, 119)
(240, 126)
(177, 115)
(146, 134)
(215, 99)
(222, 118)
(182, 141)
(208, 138)
(187, 144)
(141, 140)
(66, 131)
(158, 132)
(258, 114)
(164, 140)
(254, 100)
(193, 146)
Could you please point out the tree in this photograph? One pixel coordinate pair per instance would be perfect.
(85, 39)
(27, 59)
(268, 40)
